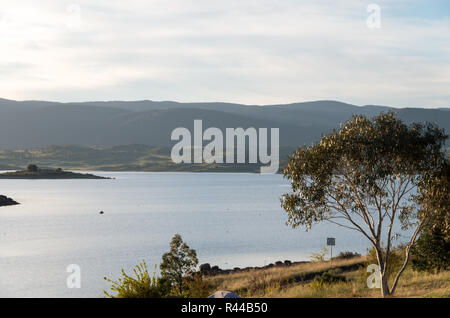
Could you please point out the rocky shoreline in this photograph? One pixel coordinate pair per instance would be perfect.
(5, 201)
(208, 270)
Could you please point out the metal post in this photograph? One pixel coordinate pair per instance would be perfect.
(331, 255)
(330, 242)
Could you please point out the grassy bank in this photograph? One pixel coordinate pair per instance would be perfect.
(298, 281)
(117, 158)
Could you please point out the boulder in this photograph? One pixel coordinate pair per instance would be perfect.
(4, 201)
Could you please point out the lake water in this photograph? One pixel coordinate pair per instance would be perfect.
(231, 220)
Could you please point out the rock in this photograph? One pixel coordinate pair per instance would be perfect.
(5, 201)
(205, 267)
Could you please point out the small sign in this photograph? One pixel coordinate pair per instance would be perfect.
(331, 241)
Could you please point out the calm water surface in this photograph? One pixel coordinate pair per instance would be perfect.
(230, 219)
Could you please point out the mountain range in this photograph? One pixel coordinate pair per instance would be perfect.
(30, 124)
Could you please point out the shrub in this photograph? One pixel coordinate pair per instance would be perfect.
(431, 252)
(320, 256)
(347, 255)
(196, 287)
(32, 168)
(143, 286)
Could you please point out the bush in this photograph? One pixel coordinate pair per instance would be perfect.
(320, 256)
(431, 252)
(196, 287)
(143, 286)
(32, 168)
(347, 255)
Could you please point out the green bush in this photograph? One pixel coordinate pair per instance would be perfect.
(431, 252)
(196, 287)
(32, 168)
(347, 255)
(143, 286)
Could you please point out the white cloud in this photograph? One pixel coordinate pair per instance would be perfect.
(255, 52)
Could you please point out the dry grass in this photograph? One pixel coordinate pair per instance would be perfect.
(296, 281)
(259, 282)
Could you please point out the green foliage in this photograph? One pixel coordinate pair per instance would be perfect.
(142, 286)
(320, 256)
(178, 264)
(369, 175)
(435, 199)
(177, 280)
(351, 168)
(32, 168)
(196, 287)
(395, 259)
(432, 251)
(347, 255)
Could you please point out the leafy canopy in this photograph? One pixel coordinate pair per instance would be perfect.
(367, 166)
(367, 175)
(178, 263)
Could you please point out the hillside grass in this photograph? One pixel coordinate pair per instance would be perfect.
(297, 281)
(117, 158)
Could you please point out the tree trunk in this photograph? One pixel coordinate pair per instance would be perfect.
(384, 285)
(383, 272)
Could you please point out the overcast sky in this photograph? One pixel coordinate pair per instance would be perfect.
(244, 51)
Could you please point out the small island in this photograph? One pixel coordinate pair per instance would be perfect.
(5, 201)
(34, 172)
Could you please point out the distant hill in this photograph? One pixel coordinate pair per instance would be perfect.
(29, 124)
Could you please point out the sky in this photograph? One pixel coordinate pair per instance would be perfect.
(243, 51)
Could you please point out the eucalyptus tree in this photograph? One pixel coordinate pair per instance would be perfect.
(368, 176)
(178, 263)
